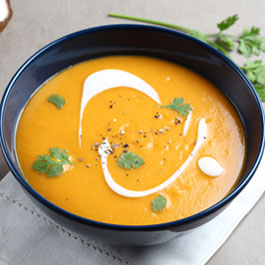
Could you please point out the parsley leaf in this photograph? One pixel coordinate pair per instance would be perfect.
(260, 90)
(250, 42)
(159, 203)
(255, 71)
(130, 160)
(179, 106)
(57, 100)
(227, 23)
(52, 164)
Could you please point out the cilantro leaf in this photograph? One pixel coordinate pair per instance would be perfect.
(255, 71)
(179, 106)
(220, 46)
(250, 42)
(52, 164)
(57, 100)
(227, 23)
(228, 41)
(130, 160)
(260, 90)
(159, 203)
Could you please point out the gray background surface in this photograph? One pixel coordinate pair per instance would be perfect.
(35, 23)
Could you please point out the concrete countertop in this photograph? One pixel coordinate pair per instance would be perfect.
(35, 23)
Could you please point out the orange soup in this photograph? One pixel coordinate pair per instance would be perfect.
(130, 140)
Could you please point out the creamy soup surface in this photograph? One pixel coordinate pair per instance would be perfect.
(132, 122)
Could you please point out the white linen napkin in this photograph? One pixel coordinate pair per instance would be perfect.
(28, 236)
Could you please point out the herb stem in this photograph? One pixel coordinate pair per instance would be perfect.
(211, 35)
(154, 22)
(214, 35)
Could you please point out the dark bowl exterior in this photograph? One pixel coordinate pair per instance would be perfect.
(134, 40)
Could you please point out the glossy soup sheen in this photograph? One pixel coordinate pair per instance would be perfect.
(83, 190)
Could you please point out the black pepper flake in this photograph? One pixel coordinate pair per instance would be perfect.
(80, 159)
(126, 146)
(111, 106)
(164, 158)
(103, 138)
(144, 136)
(109, 129)
(127, 174)
(125, 151)
(204, 137)
(157, 116)
(115, 156)
(88, 165)
(137, 141)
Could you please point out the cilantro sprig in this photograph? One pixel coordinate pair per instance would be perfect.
(57, 100)
(130, 160)
(179, 105)
(248, 43)
(159, 203)
(255, 71)
(52, 164)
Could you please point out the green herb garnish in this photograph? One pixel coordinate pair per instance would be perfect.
(52, 164)
(130, 160)
(159, 203)
(57, 100)
(255, 71)
(248, 43)
(179, 106)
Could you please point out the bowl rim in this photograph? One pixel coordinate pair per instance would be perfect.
(151, 227)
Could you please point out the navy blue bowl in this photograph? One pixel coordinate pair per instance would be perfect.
(139, 40)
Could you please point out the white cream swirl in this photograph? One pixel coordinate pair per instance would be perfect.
(105, 149)
(110, 78)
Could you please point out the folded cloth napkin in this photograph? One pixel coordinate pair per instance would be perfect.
(28, 236)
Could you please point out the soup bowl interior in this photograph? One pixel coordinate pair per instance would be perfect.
(133, 40)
